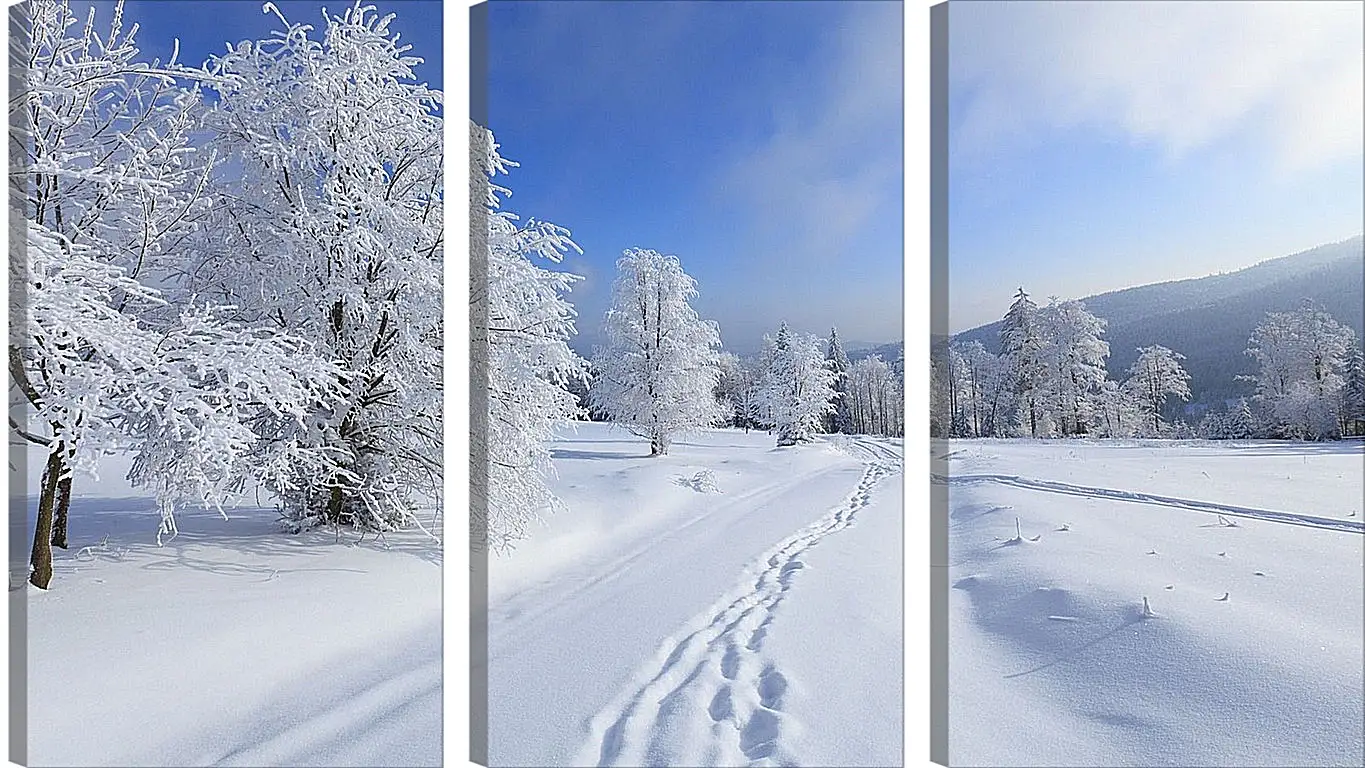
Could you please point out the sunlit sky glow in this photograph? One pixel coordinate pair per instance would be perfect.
(1099, 145)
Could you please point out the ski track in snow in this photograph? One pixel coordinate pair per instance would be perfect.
(715, 688)
(1052, 486)
(359, 710)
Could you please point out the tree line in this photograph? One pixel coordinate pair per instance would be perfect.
(1050, 380)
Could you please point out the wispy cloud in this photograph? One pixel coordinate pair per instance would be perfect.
(824, 187)
(1285, 77)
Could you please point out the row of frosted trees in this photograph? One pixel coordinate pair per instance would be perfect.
(662, 370)
(1050, 380)
(231, 270)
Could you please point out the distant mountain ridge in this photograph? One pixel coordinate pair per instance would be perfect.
(1209, 319)
(888, 352)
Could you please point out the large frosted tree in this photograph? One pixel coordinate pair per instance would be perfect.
(1155, 377)
(1302, 357)
(111, 190)
(1073, 352)
(798, 387)
(522, 325)
(329, 226)
(657, 369)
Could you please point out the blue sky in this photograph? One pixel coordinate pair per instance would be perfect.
(205, 26)
(1095, 146)
(760, 142)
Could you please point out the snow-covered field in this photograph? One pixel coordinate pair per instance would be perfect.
(751, 616)
(1250, 556)
(231, 644)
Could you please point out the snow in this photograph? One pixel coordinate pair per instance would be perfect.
(652, 622)
(233, 643)
(1250, 555)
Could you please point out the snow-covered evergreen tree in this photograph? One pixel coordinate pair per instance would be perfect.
(1240, 423)
(1214, 426)
(329, 225)
(797, 385)
(657, 369)
(521, 326)
(1022, 344)
(1155, 377)
(837, 360)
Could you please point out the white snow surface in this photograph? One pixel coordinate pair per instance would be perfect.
(1250, 556)
(232, 643)
(731, 603)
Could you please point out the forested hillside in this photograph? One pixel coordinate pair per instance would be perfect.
(1209, 319)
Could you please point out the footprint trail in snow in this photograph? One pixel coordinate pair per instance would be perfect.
(714, 697)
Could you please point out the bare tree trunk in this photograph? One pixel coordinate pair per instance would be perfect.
(41, 557)
(63, 501)
(59, 511)
(334, 505)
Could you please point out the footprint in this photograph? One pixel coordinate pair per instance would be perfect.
(772, 687)
(756, 639)
(729, 663)
(758, 739)
(721, 705)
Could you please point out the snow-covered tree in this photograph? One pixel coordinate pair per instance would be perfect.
(1022, 345)
(196, 401)
(520, 327)
(107, 185)
(1353, 393)
(988, 392)
(798, 387)
(1213, 426)
(1240, 422)
(1074, 354)
(942, 394)
(837, 360)
(111, 188)
(730, 385)
(877, 404)
(329, 225)
(1119, 412)
(1302, 356)
(751, 411)
(657, 370)
(1155, 377)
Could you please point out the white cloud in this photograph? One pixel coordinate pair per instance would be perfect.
(1285, 76)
